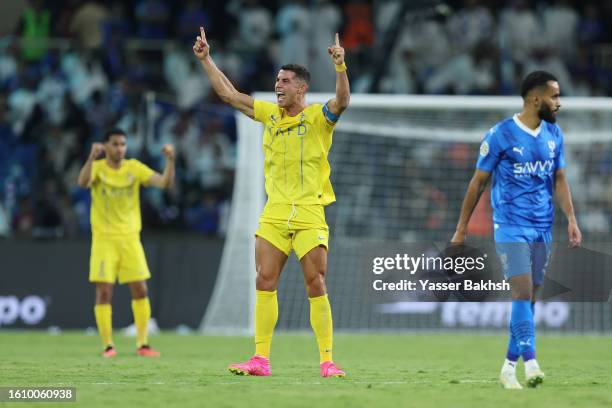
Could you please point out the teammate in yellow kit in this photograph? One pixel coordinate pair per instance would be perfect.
(296, 141)
(116, 251)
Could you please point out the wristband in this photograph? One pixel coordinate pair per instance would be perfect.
(340, 67)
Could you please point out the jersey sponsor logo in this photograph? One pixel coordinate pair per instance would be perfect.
(519, 150)
(484, 148)
(532, 168)
(299, 130)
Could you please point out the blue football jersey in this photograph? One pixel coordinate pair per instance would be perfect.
(523, 162)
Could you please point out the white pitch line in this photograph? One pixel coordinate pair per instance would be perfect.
(348, 381)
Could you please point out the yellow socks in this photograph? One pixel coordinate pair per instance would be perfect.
(104, 321)
(266, 315)
(322, 325)
(142, 313)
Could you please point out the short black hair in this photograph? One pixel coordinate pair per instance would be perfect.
(300, 71)
(536, 79)
(112, 132)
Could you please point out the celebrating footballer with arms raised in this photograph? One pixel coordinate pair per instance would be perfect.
(116, 251)
(296, 141)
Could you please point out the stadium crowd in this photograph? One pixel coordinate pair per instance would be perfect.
(74, 68)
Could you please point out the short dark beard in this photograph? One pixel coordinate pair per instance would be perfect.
(545, 113)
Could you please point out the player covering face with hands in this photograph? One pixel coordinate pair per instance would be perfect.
(116, 251)
(296, 142)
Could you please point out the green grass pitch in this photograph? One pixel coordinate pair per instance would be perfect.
(386, 370)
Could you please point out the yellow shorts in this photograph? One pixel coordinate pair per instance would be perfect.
(117, 258)
(299, 227)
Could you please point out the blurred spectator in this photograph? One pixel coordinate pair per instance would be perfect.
(8, 65)
(358, 31)
(465, 74)
(432, 46)
(63, 18)
(48, 223)
(255, 25)
(471, 25)
(23, 220)
(152, 17)
(211, 158)
(184, 75)
(116, 29)
(191, 17)
(591, 29)
(546, 59)
(87, 23)
(50, 93)
(203, 217)
(7, 141)
(520, 30)
(561, 25)
(180, 129)
(34, 29)
(85, 75)
(293, 24)
(22, 100)
(4, 223)
(98, 113)
(325, 22)
(401, 77)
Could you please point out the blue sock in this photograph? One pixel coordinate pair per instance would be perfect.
(522, 327)
(533, 314)
(513, 352)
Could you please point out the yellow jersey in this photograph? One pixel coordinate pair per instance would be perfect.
(115, 198)
(295, 148)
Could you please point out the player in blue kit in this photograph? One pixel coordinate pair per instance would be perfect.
(525, 155)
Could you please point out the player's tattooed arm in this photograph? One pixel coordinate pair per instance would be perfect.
(166, 179)
(84, 179)
(474, 191)
(343, 93)
(222, 86)
(564, 199)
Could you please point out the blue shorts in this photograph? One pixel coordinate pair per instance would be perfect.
(523, 250)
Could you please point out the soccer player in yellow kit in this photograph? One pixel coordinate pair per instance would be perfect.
(116, 251)
(296, 141)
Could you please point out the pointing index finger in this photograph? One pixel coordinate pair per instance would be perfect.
(202, 34)
(337, 40)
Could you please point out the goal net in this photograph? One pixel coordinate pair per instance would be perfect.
(400, 168)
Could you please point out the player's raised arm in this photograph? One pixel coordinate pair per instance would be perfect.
(472, 195)
(343, 93)
(222, 86)
(165, 180)
(564, 198)
(84, 179)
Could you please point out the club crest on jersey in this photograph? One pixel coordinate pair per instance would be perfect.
(551, 146)
(130, 178)
(484, 148)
